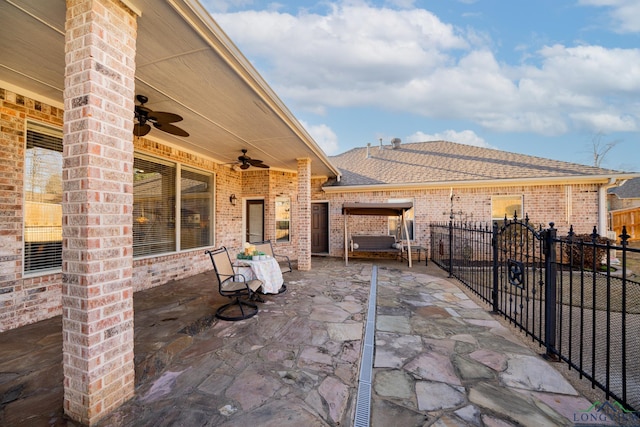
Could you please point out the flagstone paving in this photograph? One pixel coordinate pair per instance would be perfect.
(440, 359)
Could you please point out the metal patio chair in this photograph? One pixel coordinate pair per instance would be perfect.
(233, 285)
(283, 260)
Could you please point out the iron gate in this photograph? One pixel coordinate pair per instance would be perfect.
(521, 265)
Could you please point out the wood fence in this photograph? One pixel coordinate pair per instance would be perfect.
(630, 218)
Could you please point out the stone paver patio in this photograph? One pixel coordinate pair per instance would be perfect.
(440, 359)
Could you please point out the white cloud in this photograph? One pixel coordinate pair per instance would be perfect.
(224, 5)
(350, 44)
(324, 136)
(624, 14)
(599, 122)
(468, 137)
(411, 62)
(592, 69)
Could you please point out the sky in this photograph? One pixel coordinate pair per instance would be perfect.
(557, 79)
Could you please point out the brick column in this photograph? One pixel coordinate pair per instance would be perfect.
(304, 214)
(97, 261)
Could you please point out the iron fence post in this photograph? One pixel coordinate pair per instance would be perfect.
(624, 241)
(451, 247)
(494, 244)
(550, 292)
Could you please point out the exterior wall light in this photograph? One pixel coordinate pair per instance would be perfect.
(232, 199)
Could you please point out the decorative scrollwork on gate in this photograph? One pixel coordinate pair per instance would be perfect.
(516, 273)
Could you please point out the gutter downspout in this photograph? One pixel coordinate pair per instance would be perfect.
(602, 206)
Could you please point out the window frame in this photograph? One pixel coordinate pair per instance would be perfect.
(173, 211)
(412, 219)
(278, 220)
(54, 132)
(211, 207)
(176, 200)
(506, 197)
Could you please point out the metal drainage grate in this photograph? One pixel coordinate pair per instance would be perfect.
(363, 402)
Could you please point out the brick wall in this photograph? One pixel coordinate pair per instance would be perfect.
(283, 184)
(616, 203)
(22, 300)
(543, 204)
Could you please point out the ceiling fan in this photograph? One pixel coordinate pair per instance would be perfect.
(160, 120)
(246, 162)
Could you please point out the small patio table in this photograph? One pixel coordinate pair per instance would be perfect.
(267, 270)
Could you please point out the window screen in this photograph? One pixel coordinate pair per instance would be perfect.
(195, 209)
(43, 199)
(154, 198)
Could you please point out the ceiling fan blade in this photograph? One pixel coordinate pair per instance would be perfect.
(169, 128)
(141, 130)
(260, 165)
(164, 117)
(245, 166)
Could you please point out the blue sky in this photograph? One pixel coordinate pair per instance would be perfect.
(550, 78)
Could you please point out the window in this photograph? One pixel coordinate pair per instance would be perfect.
(283, 219)
(154, 195)
(395, 223)
(43, 199)
(156, 201)
(195, 210)
(502, 206)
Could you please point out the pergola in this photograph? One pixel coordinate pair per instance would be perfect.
(375, 209)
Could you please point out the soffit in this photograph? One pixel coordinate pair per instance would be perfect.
(185, 64)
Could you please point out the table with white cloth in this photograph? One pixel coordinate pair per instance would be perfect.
(266, 270)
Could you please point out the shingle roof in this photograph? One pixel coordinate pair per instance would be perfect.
(443, 161)
(629, 190)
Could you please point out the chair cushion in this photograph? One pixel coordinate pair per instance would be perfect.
(285, 269)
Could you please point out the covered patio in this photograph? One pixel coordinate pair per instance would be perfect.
(135, 205)
(439, 358)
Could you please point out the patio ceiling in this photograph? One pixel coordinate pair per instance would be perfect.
(185, 65)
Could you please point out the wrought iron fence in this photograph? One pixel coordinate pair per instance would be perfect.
(465, 251)
(573, 294)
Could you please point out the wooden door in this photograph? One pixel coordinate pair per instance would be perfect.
(319, 228)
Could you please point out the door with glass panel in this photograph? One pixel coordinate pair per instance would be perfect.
(254, 228)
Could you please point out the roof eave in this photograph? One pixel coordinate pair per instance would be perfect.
(511, 182)
(228, 50)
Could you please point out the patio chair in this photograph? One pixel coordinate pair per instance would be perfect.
(283, 260)
(233, 285)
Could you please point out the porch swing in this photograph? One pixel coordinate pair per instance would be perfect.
(374, 243)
